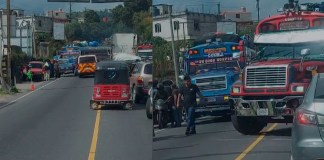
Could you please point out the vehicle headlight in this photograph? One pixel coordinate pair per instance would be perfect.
(236, 89)
(197, 99)
(298, 89)
(225, 98)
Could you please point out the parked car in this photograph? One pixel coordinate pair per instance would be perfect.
(37, 70)
(308, 124)
(141, 80)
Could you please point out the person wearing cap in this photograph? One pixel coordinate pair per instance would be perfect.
(189, 92)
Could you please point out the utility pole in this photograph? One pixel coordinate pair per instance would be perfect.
(218, 7)
(70, 11)
(175, 57)
(8, 45)
(258, 7)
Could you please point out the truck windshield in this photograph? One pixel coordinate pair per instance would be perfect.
(200, 68)
(274, 52)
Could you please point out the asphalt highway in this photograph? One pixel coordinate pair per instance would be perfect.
(55, 123)
(216, 138)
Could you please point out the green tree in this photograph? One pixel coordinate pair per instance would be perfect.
(139, 5)
(90, 16)
(121, 14)
(73, 31)
(143, 26)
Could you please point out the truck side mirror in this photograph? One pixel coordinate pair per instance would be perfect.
(305, 52)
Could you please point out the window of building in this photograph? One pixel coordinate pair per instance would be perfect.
(196, 26)
(39, 23)
(176, 25)
(238, 15)
(56, 14)
(157, 28)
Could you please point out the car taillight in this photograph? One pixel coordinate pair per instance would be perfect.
(306, 117)
(140, 80)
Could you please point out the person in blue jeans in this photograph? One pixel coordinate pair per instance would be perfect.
(189, 92)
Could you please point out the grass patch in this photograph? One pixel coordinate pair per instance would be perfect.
(3, 92)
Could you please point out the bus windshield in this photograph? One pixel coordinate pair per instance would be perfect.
(274, 52)
(200, 68)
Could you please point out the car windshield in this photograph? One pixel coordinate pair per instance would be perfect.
(274, 52)
(35, 65)
(87, 60)
(200, 68)
(112, 77)
(319, 92)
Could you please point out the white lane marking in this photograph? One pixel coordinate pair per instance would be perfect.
(159, 130)
(3, 106)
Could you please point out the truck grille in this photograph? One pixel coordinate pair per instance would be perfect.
(266, 77)
(211, 83)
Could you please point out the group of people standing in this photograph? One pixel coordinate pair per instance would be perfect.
(51, 68)
(183, 98)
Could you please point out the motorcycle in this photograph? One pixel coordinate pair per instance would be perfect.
(162, 109)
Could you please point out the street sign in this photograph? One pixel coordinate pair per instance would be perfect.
(110, 1)
(74, 1)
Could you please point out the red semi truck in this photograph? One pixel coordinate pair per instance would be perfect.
(290, 51)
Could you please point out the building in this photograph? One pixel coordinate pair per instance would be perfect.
(186, 25)
(238, 16)
(58, 16)
(24, 30)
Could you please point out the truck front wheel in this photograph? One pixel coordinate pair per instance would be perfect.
(248, 125)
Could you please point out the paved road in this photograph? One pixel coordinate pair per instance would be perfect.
(55, 123)
(217, 139)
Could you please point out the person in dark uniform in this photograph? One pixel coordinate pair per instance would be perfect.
(189, 92)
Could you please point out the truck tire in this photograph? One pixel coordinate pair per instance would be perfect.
(148, 108)
(247, 125)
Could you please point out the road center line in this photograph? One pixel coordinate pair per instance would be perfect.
(255, 142)
(93, 147)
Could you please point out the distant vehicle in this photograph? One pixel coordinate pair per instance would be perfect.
(145, 51)
(86, 65)
(124, 43)
(111, 85)
(307, 130)
(66, 66)
(141, 80)
(37, 70)
(102, 52)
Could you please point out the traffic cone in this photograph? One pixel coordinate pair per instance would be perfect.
(32, 87)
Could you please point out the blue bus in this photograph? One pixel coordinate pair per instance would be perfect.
(214, 67)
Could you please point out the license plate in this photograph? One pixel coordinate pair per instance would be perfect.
(262, 111)
(211, 99)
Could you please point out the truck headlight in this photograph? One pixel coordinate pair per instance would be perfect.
(197, 99)
(236, 89)
(298, 89)
(225, 98)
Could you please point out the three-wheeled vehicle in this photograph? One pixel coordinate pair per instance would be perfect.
(111, 85)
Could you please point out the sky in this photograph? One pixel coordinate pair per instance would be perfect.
(41, 6)
(267, 7)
